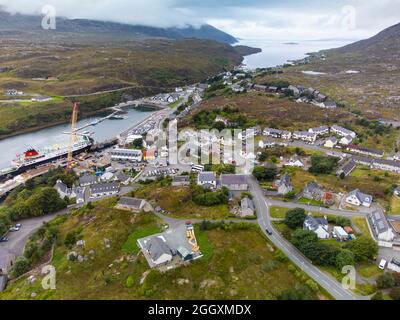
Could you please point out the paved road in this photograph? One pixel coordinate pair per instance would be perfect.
(17, 240)
(336, 212)
(330, 284)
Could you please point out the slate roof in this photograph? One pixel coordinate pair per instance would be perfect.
(313, 223)
(363, 197)
(104, 187)
(229, 179)
(88, 179)
(157, 247)
(207, 176)
(379, 222)
(131, 202)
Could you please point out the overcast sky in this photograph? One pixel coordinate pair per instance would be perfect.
(251, 19)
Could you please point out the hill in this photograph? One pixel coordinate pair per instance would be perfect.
(19, 24)
(364, 76)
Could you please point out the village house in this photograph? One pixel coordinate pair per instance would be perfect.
(319, 226)
(365, 151)
(345, 141)
(180, 181)
(247, 208)
(347, 168)
(104, 189)
(283, 185)
(126, 154)
(122, 177)
(343, 132)
(88, 180)
(331, 142)
(276, 133)
(294, 162)
(158, 251)
(260, 88)
(305, 136)
(357, 198)
(80, 194)
(133, 204)
(207, 180)
(320, 131)
(329, 104)
(295, 91)
(266, 143)
(313, 191)
(234, 182)
(386, 165)
(380, 226)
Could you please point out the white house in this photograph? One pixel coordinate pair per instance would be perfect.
(305, 136)
(319, 226)
(357, 198)
(104, 189)
(346, 140)
(380, 226)
(207, 179)
(126, 154)
(320, 131)
(294, 162)
(343, 132)
(331, 142)
(158, 251)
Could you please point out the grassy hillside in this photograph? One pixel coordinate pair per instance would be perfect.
(238, 263)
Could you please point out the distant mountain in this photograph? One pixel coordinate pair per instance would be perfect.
(387, 42)
(16, 24)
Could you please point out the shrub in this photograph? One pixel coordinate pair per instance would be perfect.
(20, 266)
(295, 218)
(385, 281)
(130, 282)
(312, 285)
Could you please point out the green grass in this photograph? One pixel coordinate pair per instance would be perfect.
(369, 270)
(238, 263)
(278, 212)
(362, 224)
(131, 246)
(395, 205)
(311, 202)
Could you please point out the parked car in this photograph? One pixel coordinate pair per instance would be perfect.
(3, 239)
(14, 228)
(382, 265)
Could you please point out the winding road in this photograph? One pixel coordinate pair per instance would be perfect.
(327, 282)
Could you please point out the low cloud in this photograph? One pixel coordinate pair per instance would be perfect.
(285, 19)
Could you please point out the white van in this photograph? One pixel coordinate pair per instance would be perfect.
(382, 265)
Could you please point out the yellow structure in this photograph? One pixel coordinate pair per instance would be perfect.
(192, 237)
(72, 142)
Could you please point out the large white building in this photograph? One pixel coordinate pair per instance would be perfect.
(380, 226)
(126, 154)
(357, 198)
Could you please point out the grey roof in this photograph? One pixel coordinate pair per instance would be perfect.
(104, 187)
(332, 139)
(345, 131)
(312, 187)
(330, 104)
(88, 179)
(285, 180)
(229, 179)
(207, 176)
(313, 223)
(363, 197)
(348, 167)
(157, 247)
(379, 222)
(61, 186)
(131, 202)
(181, 179)
(320, 129)
(121, 176)
(247, 203)
(366, 150)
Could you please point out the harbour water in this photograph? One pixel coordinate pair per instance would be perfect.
(278, 52)
(53, 136)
